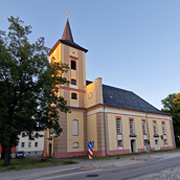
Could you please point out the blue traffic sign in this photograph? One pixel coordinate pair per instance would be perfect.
(90, 144)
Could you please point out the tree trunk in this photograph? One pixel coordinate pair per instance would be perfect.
(7, 158)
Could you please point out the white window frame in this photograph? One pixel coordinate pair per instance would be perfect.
(131, 124)
(75, 127)
(164, 128)
(155, 127)
(118, 126)
(144, 127)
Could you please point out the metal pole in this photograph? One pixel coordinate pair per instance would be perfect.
(54, 135)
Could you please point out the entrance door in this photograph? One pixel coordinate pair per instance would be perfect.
(156, 145)
(50, 149)
(133, 145)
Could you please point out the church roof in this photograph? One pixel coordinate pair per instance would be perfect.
(67, 38)
(67, 35)
(123, 99)
(120, 98)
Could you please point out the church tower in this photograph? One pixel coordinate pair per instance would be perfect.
(72, 140)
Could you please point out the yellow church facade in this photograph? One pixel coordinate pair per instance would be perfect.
(115, 120)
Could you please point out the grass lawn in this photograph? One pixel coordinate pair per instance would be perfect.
(26, 163)
(126, 155)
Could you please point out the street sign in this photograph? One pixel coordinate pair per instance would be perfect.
(90, 144)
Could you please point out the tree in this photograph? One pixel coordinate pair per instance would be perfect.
(29, 86)
(172, 106)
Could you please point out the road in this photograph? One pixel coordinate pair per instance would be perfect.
(106, 170)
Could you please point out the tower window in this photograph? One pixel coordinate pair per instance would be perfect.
(73, 96)
(73, 65)
(73, 81)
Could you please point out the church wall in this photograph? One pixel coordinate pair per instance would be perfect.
(79, 116)
(94, 93)
(92, 130)
(140, 137)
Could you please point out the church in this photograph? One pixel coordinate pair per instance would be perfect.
(117, 121)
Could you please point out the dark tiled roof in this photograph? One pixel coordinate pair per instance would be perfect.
(72, 44)
(67, 38)
(119, 98)
(88, 82)
(67, 35)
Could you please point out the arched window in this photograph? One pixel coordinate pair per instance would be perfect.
(75, 127)
(73, 65)
(73, 81)
(73, 96)
(75, 145)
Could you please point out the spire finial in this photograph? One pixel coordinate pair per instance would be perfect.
(67, 14)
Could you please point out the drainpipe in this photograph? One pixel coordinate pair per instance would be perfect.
(148, 132)
(105, 137)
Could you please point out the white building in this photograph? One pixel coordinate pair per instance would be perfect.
(29, 147)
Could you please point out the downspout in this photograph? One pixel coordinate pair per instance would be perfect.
(148, 132)
(105, 135)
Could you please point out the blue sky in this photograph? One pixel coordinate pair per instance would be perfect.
(133, 44)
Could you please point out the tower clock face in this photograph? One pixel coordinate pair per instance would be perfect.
(90, 95)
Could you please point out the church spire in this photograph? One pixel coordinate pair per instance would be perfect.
(67, 35)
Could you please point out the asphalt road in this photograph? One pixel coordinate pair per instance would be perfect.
(125, 168)
(116, 173)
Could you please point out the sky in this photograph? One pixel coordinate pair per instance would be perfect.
(132, 44)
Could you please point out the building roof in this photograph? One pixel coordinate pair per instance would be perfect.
(67, 38)
(120, 98)
(72, 44)
(67, 35)
(123, 99)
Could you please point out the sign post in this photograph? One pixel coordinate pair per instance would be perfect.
(90, 151)
(54, 135)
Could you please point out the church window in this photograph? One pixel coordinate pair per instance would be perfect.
(120, 143)
(73, 65)
(75, 145)
(144, 127)
(131, 126)
(73, 96)
(75, 127)
(163, 128)
(73, 81)
(118, 125)
(155, 127)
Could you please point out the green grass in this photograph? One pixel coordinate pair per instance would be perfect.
(26, 163)
(119, 156)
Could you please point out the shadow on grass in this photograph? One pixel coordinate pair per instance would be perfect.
(27, 163)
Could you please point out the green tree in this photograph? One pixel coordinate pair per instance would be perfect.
(171, 105)
(28, 86)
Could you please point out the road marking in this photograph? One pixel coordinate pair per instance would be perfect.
(69, 174)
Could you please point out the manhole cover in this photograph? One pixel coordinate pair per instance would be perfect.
(92, 175)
